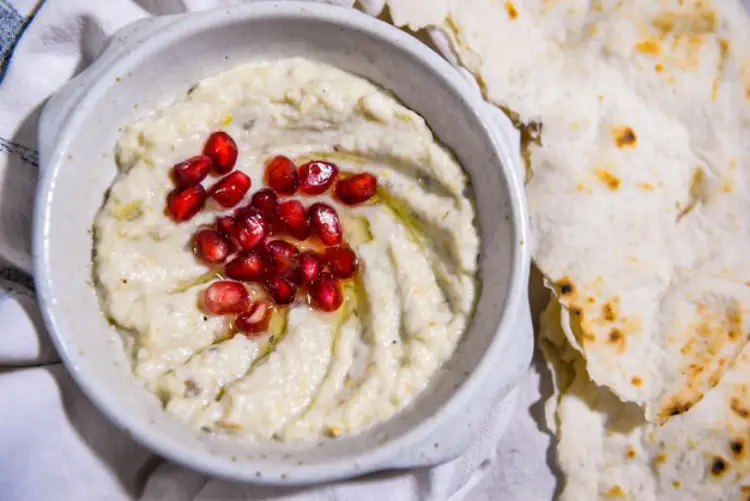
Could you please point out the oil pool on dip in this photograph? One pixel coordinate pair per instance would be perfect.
(287, 251)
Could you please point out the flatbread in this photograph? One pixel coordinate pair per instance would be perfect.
(608, 451)
(640, 185)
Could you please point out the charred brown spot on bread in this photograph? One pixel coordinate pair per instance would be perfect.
(694, 370)
(565, 286)
(688, 347)
(630, 453)
(617, 338)
(714, 378)
(738, 447)
(636, 381)
(719, 466)
(576, 310)
(700, 20)
(625, 137)
(615, 492)
(661, 458)
(649, 46)
(606, 177)
(676, 484)
(738, 408)
(734, 317)
(609, 312)
(511, 9)
(675, 407)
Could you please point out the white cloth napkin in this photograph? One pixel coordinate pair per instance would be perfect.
(53, 444)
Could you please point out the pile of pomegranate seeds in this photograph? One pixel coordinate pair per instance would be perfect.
(252, 244)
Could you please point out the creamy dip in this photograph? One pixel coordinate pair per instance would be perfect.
(312, 373)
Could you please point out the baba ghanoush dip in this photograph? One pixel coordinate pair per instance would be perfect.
(288, 253)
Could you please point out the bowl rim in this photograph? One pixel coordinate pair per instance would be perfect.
(378, 457)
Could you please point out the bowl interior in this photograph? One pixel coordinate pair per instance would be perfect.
(197, 47)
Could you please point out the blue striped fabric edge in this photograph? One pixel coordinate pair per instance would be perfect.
(29, 156)
(12, 27)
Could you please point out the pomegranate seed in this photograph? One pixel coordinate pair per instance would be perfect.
(210, 246)
(191, 171)
(282, 175)
(266, 202)
(250, 229)
(325, 293)
(282, 291)
(282, 258)
(309, 266)
(294, 218)
(325, 223)
(342, 260)
(230, 190)
(296, 277)
(222, 150)
(226, 225)
(317, 176)
(249, 266)
(184, 203)
(226, 297)
(245, 211)
(256, 319)
(357, 189)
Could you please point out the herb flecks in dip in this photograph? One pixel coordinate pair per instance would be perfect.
(317, 366)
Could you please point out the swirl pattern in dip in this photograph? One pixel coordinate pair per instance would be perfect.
(312, 373)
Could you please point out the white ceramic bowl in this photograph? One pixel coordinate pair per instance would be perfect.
(151, 62)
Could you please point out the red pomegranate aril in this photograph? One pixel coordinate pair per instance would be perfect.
(230, 190)
(210, 246)
(310, 267)
(296, 277)
(248, 266)
(281, 175)
(184, 203)
(282, 258)
(266, 202)
(325, 223)
(294, 217)
(226, 297)
(222, 150)
(317, 176)
(282, 291)
(342, 261)
(191, 171)
(256, 319)
(250, 228)
(226, 225)
(357, 189)
(325, 293)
